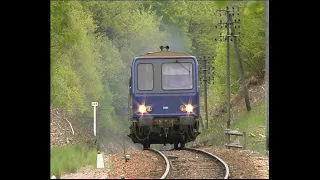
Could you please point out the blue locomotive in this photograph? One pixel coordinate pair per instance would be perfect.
(164, 101)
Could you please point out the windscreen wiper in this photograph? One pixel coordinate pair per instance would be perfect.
(183, 65)
(184, 68)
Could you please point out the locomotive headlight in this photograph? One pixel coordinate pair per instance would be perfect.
(189, 108)
(142, 109)
(186, 108)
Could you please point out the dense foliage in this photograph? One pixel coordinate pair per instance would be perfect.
(94, 42)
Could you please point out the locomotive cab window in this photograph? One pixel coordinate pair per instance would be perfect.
(145, 77)
(177, 76)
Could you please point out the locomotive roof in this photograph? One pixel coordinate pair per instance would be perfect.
(165, 54)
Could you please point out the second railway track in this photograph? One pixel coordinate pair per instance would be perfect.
(191, 164)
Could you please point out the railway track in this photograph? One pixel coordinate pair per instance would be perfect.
(191, 164)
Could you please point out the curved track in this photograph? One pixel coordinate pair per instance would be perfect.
(192, 163)
(225, 165)
(166, 161)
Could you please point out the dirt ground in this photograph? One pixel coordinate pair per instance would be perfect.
(243, 164)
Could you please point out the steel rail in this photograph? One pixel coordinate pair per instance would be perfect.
(166, 160)
(214, 156)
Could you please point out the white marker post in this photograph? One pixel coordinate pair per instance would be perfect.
(94, 104)
(100, 163)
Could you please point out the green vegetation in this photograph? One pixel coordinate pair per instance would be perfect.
(252, 51)
(69, 159)
(93, 44)
(253, 123)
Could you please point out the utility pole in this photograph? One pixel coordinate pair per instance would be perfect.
(229, 24)
(228, 71)
(228, 63)
(206, 77)
(205, 91)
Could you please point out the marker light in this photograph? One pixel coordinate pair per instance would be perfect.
(142, 109)
(149, 108)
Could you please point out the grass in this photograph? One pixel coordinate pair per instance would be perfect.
(70, 158)
(253, 123)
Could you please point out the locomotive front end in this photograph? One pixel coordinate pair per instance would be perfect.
(164, 99)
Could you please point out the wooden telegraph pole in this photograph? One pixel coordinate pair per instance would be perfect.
(205, 90)
(227, 24)
(206, 77)
(230, 25)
